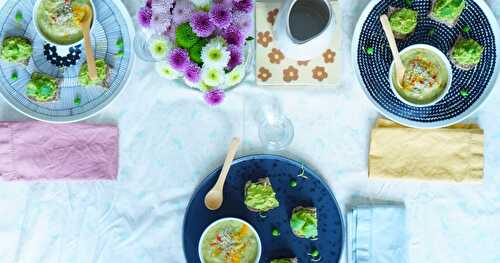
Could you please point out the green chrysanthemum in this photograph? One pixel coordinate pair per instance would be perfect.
(185, 37)
(195, 51)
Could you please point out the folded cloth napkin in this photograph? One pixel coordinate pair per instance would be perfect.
(43, 151)
(454, 153)
(377, 234)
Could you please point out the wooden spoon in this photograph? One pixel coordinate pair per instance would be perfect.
(214, 198)
(84, 14)
(400, 68)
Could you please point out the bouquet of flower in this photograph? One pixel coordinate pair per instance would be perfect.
(202, 41)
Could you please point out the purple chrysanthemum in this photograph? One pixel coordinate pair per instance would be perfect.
(214, 97)
(160, 21)
(201, 24)
(170, 32)
(226, 3)
(192, 73)
(243, 5)
(144, 16)
(162, 6)
(234, 36)
(178, 59)
(220, 16)
(244, 21)
(149, 3)
(235, 57)
(182, 11)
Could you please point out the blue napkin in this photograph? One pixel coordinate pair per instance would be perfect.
(376, 233)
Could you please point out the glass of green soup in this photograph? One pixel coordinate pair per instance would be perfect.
(56, 21)
(229, 240)
(427, 79)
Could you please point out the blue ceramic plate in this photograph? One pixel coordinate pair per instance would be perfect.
(113, 24)
(372, 69)
(309, 192)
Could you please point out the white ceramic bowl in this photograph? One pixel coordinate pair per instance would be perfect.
(259, 252)
(441, 56)
(39, 32)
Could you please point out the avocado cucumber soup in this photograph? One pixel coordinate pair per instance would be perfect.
(425, 77)
(229, 241)
(58, 20)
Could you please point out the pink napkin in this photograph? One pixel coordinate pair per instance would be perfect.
(43, 151)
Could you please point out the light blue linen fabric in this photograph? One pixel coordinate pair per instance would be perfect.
(377, 234)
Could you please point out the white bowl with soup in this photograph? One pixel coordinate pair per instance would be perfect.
(55, 21)
(427, 79)
(229, 240)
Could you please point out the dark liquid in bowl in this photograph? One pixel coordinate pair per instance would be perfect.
(308, 18)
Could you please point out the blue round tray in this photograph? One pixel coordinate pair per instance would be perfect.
(112, 23)
(309, 192)
(372, 70)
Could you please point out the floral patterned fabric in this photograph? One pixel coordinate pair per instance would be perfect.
(273, 68)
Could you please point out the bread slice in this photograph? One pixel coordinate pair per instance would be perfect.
(399, 35)
(264, 181)
(54, 98)
(298, 208)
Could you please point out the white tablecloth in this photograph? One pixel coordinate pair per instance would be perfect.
(170, 139)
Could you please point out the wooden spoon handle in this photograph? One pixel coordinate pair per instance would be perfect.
(90, 53)
(233, 147)
(392, 44)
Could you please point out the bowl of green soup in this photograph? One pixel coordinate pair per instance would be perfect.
(427, 79)
(57, 21)
(229, 240)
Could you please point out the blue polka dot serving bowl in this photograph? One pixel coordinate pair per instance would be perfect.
(469, 89)
(444, 65)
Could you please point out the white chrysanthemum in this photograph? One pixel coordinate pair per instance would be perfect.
(212, 76)
(159, 48)
(164, 69)
(214, 54)
(201, 3)
(235, 76)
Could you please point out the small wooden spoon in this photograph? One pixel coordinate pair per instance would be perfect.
(214, 198)
(84, 14)
(400, 68)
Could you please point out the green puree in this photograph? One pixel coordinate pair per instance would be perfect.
(229, 241)
(467, 52)
(83, 76)
(304, 223)
(16, 49)
(42, 88)
(448, 10)
(260, 197)
(56, 21)
(403, 21)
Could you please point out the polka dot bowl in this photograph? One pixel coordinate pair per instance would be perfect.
(371, 59)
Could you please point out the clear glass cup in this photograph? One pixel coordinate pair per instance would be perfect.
(142, 45)
(275, 129)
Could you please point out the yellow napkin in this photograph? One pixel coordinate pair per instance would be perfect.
(454, 153)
